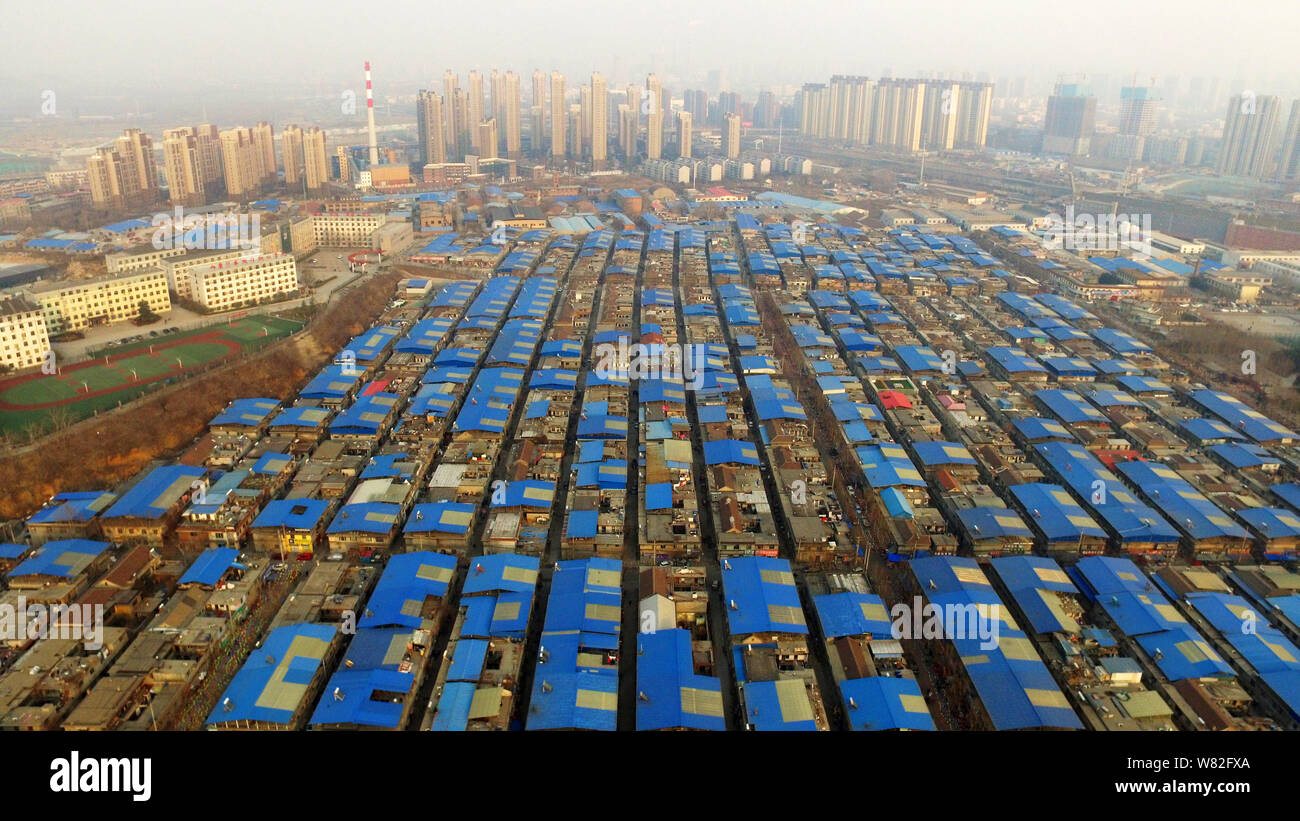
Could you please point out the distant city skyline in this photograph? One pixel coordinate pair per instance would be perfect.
(295, 45)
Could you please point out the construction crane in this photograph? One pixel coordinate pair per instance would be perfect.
(1123, 188)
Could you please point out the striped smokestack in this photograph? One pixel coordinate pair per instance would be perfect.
(370, 116)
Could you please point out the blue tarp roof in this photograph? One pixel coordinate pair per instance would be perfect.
(565, 697)
(992, 523)
(1244, 456)
(659, 496)
(934, 454)
(582, 524)
(350, 698)
(1273, 655)
(527, 493)
(1015, 360)
(369, 345)
(1119, 341)
(1180, 652)
(332, 382)
(501, 571)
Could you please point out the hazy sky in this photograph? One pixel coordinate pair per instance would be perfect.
(131, 45)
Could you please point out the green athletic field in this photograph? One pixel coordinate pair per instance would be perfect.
(27, 400)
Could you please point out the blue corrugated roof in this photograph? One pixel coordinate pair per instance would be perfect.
(1187, 508)
(294, 514)
(853, 614)
(1106, 495)
(1035, 428)
(400, 593)
(1241, 416)
(65, 558)
(730, 451)
(885, 703)
(440, 517)
(290, 655)
(1070, 407)
(155, 494)
(1031, 581)
(1054, 512)
(1204, 429)
(210, 566)
(761, 596)
(764, 701)
(75, 506)
(251, 412)
(367, 517)
(670, 694)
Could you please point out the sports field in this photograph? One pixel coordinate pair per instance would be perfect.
(121, 373)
